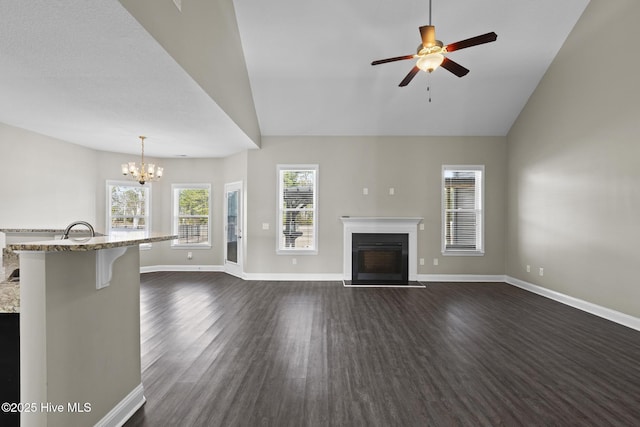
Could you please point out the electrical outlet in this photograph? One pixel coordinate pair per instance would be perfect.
(365, 191)
(421, 261)
(392, 191)
(189, 255)
(294, 261)
(422, 226)
(541, 271)
(436, 261)
(528, 268)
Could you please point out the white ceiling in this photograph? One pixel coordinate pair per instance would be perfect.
(309, 64)
(85, 71)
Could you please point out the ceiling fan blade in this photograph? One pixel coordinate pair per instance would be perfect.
(409, 76)
(397, 58)
(454, 67)
(473, 41)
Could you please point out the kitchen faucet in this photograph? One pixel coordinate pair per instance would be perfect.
(65, 235)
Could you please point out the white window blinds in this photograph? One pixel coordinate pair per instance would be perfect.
(463, 209)
(297, 208)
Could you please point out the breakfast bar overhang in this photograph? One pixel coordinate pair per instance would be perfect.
(80, 330)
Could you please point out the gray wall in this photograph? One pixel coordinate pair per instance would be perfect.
(411, 165)
(574, 175)
(78, 315)
(177, 171)
(44, 182)
(347, 164)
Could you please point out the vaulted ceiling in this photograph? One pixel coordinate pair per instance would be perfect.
(88, 72)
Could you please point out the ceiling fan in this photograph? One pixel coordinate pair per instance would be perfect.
(431, 52)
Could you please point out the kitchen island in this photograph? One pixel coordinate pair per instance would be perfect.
(80, 330)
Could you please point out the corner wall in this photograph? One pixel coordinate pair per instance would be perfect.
(573, 170)
(45, 182)
(177, 171)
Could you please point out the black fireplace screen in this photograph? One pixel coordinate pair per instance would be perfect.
(380, 258)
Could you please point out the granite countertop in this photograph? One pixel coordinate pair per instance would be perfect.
(86, 244)
(31, 230)
(43, 231)
(10, 290)
(9, 297)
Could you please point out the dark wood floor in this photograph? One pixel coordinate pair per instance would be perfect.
(218, 351)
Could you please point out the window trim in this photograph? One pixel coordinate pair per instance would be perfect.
(293, 167)
(480, 241)
(174, 216)
(148, 217)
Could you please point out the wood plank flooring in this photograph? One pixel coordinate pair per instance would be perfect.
(219, 351)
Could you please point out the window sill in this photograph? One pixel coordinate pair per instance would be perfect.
(296, 251)
(462, 253)
(194, 246)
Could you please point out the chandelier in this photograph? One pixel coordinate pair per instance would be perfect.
(144, 173)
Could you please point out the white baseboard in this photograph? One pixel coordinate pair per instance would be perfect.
(231, 273)
(597, 310)
(158, 268)
(319, 277)
(460, 278)
(124, 409)
(606, 313)
(303, 277)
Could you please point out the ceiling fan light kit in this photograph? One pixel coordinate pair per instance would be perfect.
(431, 53)
(430, 62)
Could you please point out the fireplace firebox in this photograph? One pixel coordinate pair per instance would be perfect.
(380, 258)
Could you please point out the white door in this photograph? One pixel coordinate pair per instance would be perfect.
(233, 228)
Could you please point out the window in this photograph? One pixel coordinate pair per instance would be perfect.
(191, 215)
(462, 210)
(297, 209)
(128, 209)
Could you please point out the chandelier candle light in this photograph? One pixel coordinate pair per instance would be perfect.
(145, 173)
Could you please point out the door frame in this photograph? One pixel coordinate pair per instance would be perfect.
(230, 267)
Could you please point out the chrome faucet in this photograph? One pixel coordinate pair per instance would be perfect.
(65, 235)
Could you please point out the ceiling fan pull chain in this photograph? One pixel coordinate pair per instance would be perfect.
(429, 86)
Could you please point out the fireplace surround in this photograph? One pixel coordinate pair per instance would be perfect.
(381, 225)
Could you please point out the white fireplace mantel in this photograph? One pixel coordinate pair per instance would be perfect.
(369, 224)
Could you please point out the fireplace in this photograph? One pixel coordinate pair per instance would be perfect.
(407, 226)
(380, 258)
